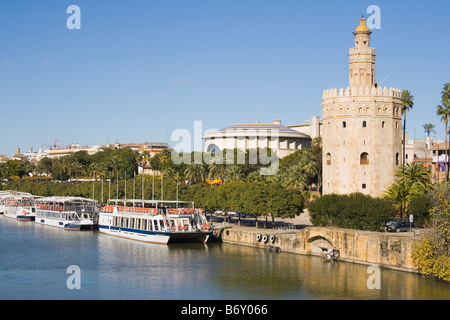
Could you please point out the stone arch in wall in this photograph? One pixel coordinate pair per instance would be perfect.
(320, 244)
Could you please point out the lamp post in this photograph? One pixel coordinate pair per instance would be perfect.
(411, 219)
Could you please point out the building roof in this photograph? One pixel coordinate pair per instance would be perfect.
(258, 129)
(362, 26)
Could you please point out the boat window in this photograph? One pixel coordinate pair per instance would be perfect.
(156, 225)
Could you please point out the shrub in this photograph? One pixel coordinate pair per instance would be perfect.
(354, 211)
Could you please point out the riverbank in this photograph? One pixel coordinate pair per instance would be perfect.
(299, 236)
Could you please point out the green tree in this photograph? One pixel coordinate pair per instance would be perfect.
(412, 180)
(45, 166)
(354, 211)
(443, 110)
(428, 128)
(216, 171)
(234, 172)
(194, 173)
(15, 168)
(407, 105)
(294, 177)
(115, 165)
(431, 254)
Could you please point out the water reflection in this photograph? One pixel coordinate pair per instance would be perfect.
(34, 260)
(267, 275)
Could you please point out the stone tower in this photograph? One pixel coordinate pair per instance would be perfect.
(362, 139)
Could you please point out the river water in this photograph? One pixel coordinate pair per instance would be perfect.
(34, 261)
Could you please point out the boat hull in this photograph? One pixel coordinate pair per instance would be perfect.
(160, 237)
(15, 214)
(182, 237)
(73, 225)
(25, 218)
(133, 234)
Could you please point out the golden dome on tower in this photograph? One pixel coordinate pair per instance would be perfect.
(362, 26)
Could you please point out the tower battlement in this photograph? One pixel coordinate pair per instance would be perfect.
(362, 91)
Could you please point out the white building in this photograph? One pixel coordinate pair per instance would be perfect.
(282, 139)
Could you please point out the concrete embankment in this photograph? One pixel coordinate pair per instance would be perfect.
(391, 250)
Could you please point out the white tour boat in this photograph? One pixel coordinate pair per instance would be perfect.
(18, 205)
(71, 213)
(154, 221)
(3, 196)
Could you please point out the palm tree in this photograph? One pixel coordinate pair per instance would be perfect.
(145, 160)
(75, 167)
(444, 113)
(407, 105)
(428, 128)
(234, 172)
(414, 173)
(294, 177)
(3, 171)
(194, 173)
(412, 180)
(217, 170)
(114, 162)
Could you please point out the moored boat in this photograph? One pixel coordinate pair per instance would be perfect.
(154, 221)
(70, 213)
(19, 205)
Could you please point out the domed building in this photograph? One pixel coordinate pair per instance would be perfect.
(281, 139)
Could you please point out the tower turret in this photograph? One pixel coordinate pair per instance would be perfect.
(362, 58)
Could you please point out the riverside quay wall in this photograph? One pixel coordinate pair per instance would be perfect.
(391, 250)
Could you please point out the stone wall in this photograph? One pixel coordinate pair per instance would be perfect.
(392, 250)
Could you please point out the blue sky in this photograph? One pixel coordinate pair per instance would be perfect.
(138, 70)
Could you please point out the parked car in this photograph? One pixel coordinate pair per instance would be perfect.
(240, 214)
(399, 226)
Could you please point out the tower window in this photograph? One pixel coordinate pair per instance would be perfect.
(364, 186)
(382, 124)
(328, 159)
(364, 124)
(396, 159)
(364, 158)
(344, 124)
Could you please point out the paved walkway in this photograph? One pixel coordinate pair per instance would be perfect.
(248, 223)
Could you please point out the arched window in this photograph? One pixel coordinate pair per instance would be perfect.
(213, 148)
(344, 124)
(364, 158)
(328, 159)
(382, 124)
(364, 124)
(396, 159)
